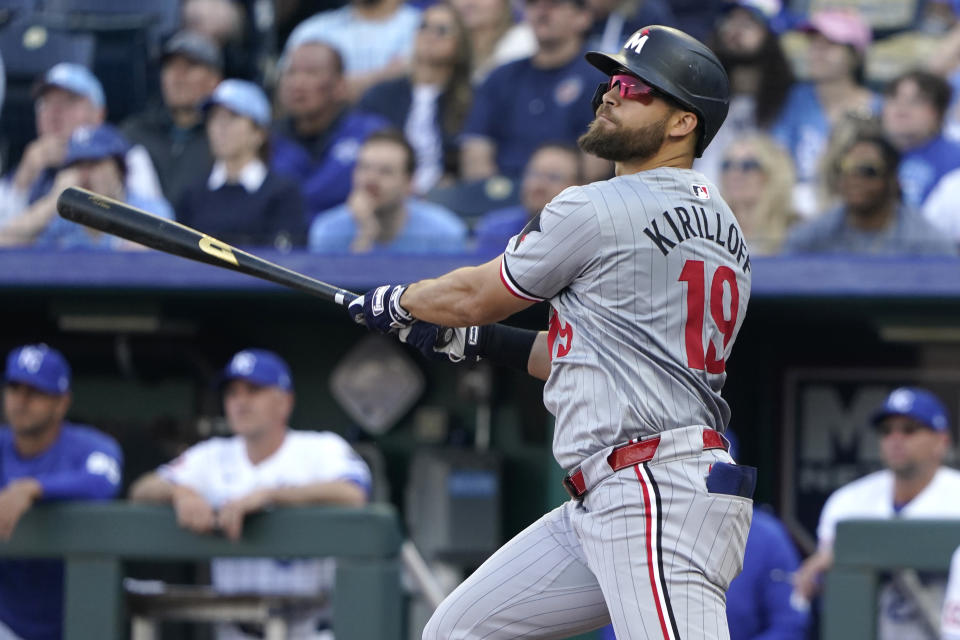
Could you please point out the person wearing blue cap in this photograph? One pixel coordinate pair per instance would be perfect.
(68, 97)
(914, 440)
(215, 484)
(43, 458)
(242, 201)
(96, 160)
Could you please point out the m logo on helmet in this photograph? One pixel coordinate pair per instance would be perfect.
(636, 41)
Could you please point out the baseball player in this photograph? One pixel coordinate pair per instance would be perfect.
(951, 604)
(44, 458)
(916, 484)
(648, 280)
(217, 483)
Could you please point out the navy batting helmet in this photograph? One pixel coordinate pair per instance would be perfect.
(678, 66)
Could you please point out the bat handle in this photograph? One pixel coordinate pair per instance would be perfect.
(343, 298)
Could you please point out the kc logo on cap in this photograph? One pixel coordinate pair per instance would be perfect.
(243, 363)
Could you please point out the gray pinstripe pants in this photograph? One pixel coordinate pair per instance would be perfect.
(648, 548)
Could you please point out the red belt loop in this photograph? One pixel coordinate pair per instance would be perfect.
(635, 453)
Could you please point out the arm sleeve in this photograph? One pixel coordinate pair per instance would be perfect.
(332, 459)
(94, 475)
(555, 247)
(192, 468)
(827, 527)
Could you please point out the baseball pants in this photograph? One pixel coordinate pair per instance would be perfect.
(648, 548)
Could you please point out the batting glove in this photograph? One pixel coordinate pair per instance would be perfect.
(379, 309)
(443, 343)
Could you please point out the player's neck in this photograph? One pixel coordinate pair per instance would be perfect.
(30, 445)
(668, 156)
(262, 446)
(908, 487)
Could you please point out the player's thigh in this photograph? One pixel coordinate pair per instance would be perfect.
(535, 586)
(664, 550)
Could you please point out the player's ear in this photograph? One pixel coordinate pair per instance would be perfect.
(683, 123)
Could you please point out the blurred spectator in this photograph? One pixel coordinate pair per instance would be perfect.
(172, 132)
(545, 97)
(552, 168)
(68, 97)
(913, 110)
(495, 37)
(946, 62)
(223, 22)
(96, 161)
(914, 439)
(951, 603)
(940, 208)
(760, 75)
(430, 104)
(838, 41)
(697, 17)
(241, 201)
(380, 214)
(43, 458)
(317, 143)
(871, 218)
(615, 20)
(374, 38)
(217, 483)
(756, 180)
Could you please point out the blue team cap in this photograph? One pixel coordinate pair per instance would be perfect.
(919, 404)
(40, 367)
(95, 143)
(243, 98)
(74, 78)
(259, 367)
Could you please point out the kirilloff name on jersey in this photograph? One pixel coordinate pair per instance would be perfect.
(682, 225)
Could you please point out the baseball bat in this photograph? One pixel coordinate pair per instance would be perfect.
(120, 219)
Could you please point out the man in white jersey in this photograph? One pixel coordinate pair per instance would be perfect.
(951, 603)
(914, 439)
(215, 484)
(648, 280)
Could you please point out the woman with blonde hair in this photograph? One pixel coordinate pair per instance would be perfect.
(756, 180)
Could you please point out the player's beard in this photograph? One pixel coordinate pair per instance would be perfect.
(621, 144)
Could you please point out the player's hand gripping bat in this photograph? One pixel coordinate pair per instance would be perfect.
(110, 216)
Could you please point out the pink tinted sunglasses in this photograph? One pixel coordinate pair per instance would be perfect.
(631, 87)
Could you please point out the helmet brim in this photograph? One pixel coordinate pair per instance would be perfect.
(609, 63)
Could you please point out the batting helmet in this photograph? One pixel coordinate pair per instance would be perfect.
(677, 65)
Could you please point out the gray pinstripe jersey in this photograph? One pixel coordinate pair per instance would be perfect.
(648, 278)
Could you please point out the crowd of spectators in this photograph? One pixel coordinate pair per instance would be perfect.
(475, 88)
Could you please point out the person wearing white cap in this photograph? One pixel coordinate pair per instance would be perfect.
(242, 201)
(68, 97)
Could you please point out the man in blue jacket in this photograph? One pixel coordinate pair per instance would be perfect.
(43, 458)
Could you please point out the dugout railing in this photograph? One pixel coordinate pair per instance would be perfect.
(864, 551)
(94, 540)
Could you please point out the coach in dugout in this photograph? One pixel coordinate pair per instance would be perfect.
(43, 458)
(217, 483)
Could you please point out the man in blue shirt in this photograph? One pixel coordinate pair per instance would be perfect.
(542, 98)
(913, 110)
(380, 215)
(317, 144)
(43, 458)
(552, 168)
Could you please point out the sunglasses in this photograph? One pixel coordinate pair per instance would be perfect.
(865, 170)
(631, 88)
(746, 165)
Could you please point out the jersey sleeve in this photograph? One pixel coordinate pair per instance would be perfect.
(193, 467)
(94, 472)
(332, 459)
(554, 248)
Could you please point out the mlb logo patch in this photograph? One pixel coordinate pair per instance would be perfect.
(700, 191)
